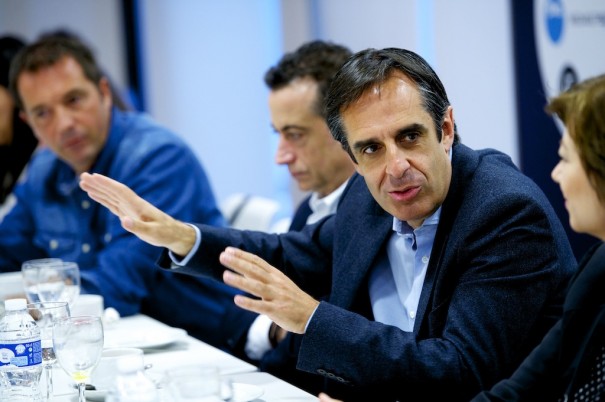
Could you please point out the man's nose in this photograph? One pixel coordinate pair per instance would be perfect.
(65, 119)
(396, 163)
(284, 154)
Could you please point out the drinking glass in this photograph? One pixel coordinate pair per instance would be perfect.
(59, 282)
(29, 272)
(78, 343)
(45, 315)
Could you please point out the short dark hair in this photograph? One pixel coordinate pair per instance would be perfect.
(47, 51)
(9, 47)
(582, 110)
(318, 60)
(372, 67)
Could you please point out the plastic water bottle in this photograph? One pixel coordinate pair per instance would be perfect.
(20, 354)
(132, 385)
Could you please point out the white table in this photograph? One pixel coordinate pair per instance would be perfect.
(188, 350)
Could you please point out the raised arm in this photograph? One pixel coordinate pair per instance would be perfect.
(279, 297)
(138, 216)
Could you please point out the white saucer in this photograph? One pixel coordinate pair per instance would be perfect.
(143, 339)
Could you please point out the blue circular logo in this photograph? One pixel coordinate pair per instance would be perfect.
(554, 19)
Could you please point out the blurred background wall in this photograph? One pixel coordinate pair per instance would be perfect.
(203, 61)
(197, 66)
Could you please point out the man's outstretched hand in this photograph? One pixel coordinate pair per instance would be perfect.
(279, 298)
(138, 216)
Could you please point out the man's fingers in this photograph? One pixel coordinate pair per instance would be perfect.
(115, 196)
(104, 188)
(249, 257)
(259, 306)
(106, 202)
(254, 305)
(245, 263)
(245, 284)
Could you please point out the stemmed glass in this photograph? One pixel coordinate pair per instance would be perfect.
(78, 343)
(45, 315)
(59, 282)
(30, 273)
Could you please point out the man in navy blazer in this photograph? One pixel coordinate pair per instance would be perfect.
(444, 265)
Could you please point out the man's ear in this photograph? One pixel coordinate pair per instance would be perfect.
(23, 116)
(105, 90)
(447, 129)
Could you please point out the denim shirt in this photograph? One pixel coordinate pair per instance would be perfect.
(53, 217)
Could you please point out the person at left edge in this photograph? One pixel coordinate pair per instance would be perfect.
(17, 141)
(63, 95)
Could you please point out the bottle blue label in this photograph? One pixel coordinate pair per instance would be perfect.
(21, 354)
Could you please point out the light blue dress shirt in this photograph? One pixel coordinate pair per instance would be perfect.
(396, 284)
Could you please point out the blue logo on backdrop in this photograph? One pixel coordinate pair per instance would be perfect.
(554, 19)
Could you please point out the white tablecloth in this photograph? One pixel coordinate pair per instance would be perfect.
(186, 351)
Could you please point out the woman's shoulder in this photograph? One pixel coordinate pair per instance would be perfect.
(589, 282)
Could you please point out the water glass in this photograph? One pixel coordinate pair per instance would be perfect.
(30, 273)
(59, 282)
(78, 343)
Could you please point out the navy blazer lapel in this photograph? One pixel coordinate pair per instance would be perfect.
(357, 242)
(299, 220)
(464, 164)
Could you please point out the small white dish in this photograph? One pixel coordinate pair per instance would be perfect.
(143, 339)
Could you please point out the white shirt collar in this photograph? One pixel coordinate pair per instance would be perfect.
(322, 207)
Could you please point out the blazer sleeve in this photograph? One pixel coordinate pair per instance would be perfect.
(304, 256)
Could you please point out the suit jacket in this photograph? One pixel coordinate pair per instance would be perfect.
(560, 366)
(494, 285)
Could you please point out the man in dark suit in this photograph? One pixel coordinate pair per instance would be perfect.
(298, 83)
(444, 265)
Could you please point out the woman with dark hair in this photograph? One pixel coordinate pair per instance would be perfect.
(17, 141)
(569, 364)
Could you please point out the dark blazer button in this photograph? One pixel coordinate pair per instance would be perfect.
(321, 371)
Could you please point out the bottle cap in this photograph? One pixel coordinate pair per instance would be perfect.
(15, 304)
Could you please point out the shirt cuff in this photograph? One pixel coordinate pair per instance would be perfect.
(176, 261)
(310, 318)
(257, 343)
